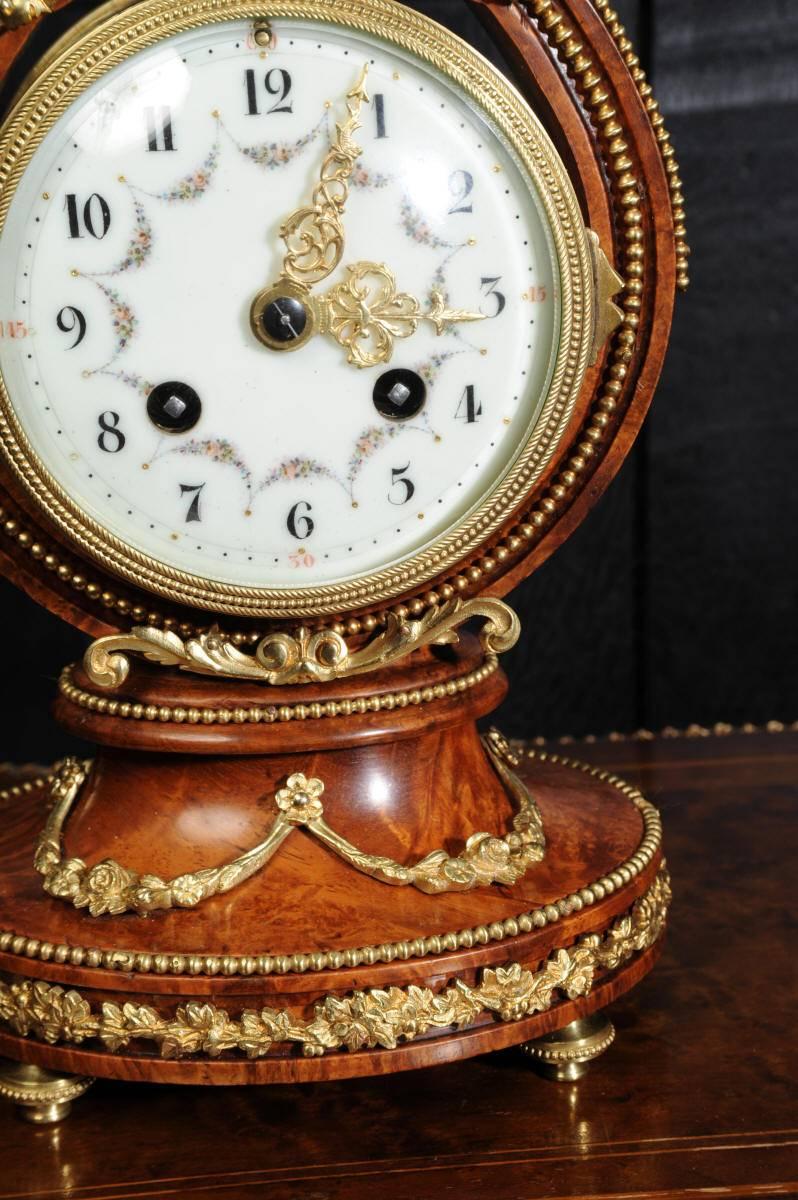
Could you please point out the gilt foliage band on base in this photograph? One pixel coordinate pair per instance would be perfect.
(359, 1021)
(283, 658)
(108, 887)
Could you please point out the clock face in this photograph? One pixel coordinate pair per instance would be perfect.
(148, 220)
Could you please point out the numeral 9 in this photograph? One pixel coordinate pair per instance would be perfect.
(69, 320)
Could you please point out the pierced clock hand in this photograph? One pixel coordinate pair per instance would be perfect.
(366, 313)
(282, 315)
(314, 235)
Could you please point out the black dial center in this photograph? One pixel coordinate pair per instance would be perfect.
(174, 407)
(284, 319)
(399, 394)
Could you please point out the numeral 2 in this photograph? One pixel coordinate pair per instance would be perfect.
(159, 128)
(277, 83)
(111, 439)
(194, 489)
(469, 409)
(461, 185)
(96, 216)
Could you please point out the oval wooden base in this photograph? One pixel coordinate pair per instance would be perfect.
(311, 969)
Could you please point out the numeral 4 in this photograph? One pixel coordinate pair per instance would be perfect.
(469, 409)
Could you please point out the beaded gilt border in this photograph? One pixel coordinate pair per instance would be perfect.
(361, 1020)
(591, 86)
(386, 952)
(610, 18)
(269, 714)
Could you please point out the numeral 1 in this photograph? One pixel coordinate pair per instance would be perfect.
(159, 128)
(186, 489)
(379, 112)
(469, 408)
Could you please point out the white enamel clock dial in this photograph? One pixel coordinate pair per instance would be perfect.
(145, 224)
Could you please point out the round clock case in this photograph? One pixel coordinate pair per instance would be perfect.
(294, 795)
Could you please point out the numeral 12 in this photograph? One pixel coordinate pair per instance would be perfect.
(277, 83)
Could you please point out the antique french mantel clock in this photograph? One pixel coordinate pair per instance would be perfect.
(317, 337)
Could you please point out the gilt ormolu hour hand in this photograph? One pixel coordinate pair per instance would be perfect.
(282, 315)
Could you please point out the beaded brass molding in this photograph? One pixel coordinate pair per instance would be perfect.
(358, 1021)
(610, 18)
(282, 658)
(692, 731)
(14, 13)
(108, 887)
(43, 1097)
(15, 943)
(270, 714)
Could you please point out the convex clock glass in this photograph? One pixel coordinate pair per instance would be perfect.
(151, 403)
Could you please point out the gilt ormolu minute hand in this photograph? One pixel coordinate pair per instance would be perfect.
(366, 313)
(281, 315)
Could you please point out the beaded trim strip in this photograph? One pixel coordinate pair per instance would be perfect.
(283, 964)
(669, 732)
(269, 714)
(632, 61)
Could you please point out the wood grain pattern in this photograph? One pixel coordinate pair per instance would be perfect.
(696, 1096)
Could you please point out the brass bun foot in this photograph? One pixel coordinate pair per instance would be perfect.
(566, 1054)
(42, 1097)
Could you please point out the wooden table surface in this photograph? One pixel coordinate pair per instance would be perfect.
(696, 1097)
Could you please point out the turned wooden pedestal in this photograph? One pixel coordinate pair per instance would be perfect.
(356, 976)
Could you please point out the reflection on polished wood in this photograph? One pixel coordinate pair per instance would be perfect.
(696, 1093)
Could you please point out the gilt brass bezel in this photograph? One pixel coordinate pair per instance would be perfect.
(107, 44)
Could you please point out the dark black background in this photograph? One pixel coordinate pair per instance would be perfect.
(675, 601)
